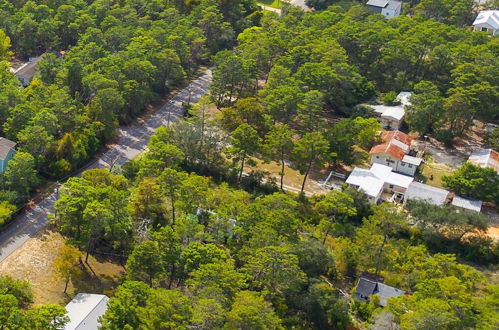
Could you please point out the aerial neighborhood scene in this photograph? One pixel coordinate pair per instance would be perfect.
(249, 164)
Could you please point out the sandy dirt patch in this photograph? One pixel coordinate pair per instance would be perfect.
(34, 261)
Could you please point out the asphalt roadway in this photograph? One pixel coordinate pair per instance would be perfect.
(132, 141)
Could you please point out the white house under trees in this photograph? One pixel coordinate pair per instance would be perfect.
(487, 21)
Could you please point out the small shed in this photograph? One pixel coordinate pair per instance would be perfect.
(467, 203)
(84, 311)
(387, 8)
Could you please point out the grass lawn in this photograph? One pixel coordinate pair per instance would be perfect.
(431, 173)
(34, 260)
(271, 3)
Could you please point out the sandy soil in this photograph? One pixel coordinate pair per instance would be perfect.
(493, 232)
(34, 260)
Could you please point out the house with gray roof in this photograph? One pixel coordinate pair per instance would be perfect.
(7, 151)
(27, 71)
(421, 191)
(387, 8)
(366, 287)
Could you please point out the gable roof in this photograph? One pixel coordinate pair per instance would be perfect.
(84, 305)
(5, 146)
(466, 203)
(488, 17)
(378, 3)
(425, 192)
(28, 70)
(386, 292)
(395, 143)
(485, 158)
(367, 287)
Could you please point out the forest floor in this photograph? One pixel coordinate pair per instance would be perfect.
(34, 260)
(292, 178)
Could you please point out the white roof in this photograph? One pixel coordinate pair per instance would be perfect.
(425, 192)
(377, 3)
(371, 181)
(366, 181)
(412, 160)
(403, 98)
(386, 174)
(465, 203)
(397, 111)
(485, 158)
(85, 307)
(489, 18)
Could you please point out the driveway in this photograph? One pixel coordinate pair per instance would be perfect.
(131, 142)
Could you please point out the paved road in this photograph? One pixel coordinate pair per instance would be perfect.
(132, 141)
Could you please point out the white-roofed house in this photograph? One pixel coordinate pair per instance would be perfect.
(421, 191)
(378, 179)
(486, 158)
(487, 21)
(84, 311)
(387, 8)
(394, 152)
(392, 116)
(467, 203)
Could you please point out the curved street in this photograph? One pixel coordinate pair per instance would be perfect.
(132, 141)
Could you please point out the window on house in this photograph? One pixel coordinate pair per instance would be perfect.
(377, 157)
(410, 166)
(403, 164)
(391, 186)
(484, 29)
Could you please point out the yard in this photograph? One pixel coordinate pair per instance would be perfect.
(292, 178)
(34, 260)
(431, 173)
(271, 3)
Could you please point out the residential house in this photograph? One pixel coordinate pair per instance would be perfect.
(84, 311)
(487, 158)
(421, 191)
(366, 287)
(395, 151)
(377, 180)
(27, 71)
(392, 117)
(387, 8)
(467, 203)
(7, 151)
(487, 21)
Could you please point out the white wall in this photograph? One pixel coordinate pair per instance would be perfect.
(382, 159)
(405, 168)
(396, 165)
(390, 13)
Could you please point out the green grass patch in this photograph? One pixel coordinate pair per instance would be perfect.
(431, 173)
(271, 3)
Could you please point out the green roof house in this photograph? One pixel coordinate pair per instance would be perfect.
(7, 151)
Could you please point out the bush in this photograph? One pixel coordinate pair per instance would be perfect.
(389, 98)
